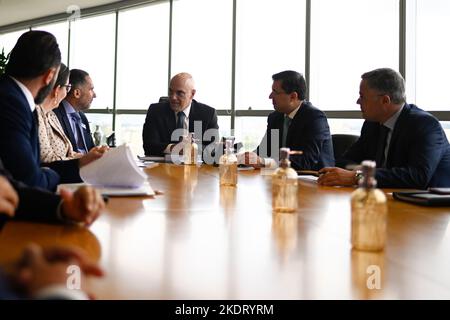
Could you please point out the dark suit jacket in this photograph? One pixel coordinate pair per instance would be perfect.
(34, 204)
(65, 123)
(19, 142)
(308, 132)
(418, 155)
(160, 123)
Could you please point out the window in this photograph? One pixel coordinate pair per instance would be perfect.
(269, 40)
(349, 38)
(92, 49)
(129, 130)
(143, 56)
(201, 46)
(61, 32)
(432, 55)
(8, 40)
(250, 131)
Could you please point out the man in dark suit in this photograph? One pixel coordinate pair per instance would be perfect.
(407, 143)
(295, 124)
(70, 111)
(29, 76)
(166, 122)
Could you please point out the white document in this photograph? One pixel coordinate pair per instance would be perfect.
(116, 168)
(144, 190)
(308, 178)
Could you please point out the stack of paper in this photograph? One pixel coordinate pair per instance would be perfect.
(116, 168)
(116, 174)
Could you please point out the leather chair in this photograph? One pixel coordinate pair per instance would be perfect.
(341, 143)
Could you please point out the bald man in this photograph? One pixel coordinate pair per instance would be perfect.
(167, 121)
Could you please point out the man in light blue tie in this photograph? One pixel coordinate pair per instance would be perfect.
(70, 111)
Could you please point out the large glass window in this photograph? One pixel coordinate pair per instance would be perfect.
(269, 39)
(129, 130)
(432, 63)
(250, 131)
(349, 38)
(8, 40)
(201, 45)
(61, 32)
(92, 49)
(143, 56)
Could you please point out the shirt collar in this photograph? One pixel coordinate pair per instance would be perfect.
(390, 123)
(68, 107)
(27, 93)
(187, 110)
(294, 112)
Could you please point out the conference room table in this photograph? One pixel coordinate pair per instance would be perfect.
(198, 240)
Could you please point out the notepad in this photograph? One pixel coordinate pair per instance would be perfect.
(308, 178)
(151, 158)
(424, 198)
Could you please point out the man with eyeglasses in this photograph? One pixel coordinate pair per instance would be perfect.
(166, 122)
(295, 124)
(70, 111)
(408, 144)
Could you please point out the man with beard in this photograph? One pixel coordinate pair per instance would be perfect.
(29, 76)
(70, 111)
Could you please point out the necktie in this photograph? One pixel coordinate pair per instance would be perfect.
(79, 137)
(180, 120)
(286, 124)
(382, 140)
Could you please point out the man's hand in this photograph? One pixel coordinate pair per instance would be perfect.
(9, 200)
(84, 205)
(336, 177)
(93, 154)
(250, 159)
(40, 268)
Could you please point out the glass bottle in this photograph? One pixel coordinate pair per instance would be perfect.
(228, 165)
(190, 150)
(369, 212)
(98, 136)
(284, 185)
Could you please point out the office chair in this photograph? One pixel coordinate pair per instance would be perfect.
(341, 143)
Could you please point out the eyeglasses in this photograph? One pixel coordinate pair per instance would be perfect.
(67, 86)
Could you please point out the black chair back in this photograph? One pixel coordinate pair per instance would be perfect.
(341, 143)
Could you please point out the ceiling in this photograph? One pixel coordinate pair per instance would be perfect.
(12, 11)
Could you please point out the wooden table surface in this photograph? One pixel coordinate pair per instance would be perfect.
(201, 241)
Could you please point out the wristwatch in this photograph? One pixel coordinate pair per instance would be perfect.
(358, 176)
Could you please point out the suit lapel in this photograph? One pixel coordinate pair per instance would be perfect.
(278, 124)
